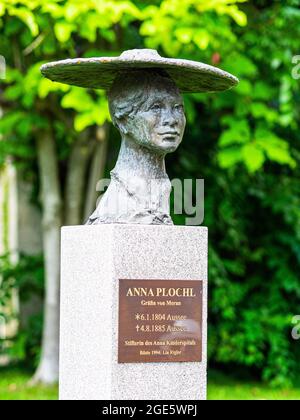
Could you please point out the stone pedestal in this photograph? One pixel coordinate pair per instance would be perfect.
(94, 259)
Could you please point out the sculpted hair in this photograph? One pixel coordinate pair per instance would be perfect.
(130, 91)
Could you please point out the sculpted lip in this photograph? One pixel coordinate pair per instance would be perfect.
(170, 133)
(169, 136)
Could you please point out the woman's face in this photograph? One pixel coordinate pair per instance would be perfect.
(159, 123)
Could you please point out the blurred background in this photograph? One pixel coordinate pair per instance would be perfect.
(57, 141)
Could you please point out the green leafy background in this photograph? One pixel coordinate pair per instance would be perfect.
(244, 143)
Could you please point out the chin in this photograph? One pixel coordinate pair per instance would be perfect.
(170, 149)
(161, 147)
(165, 148)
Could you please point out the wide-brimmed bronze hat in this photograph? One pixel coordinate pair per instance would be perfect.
(100, 72)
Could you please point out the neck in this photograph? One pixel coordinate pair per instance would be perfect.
(138, 161)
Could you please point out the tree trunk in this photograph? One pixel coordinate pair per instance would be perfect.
(30, 242)
(97, 170)
(47, 371)
(9, 246)
(77, 167)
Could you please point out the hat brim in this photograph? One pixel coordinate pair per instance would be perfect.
(100, 72)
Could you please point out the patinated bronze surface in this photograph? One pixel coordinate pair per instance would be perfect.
(100, 72)
(146, 106)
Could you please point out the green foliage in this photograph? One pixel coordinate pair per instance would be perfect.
(87, 110)
(27, 277)
(7, 284)
(244, 143)
(228, 387)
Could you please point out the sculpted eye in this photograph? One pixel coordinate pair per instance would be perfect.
(178, 107)
(155, 107)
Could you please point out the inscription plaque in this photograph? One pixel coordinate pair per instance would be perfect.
(160, 321)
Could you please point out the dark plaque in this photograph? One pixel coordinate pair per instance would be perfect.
(160, 321)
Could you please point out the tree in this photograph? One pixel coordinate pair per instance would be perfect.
(247, 139)
(39, 31)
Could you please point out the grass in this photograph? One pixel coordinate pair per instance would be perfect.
(14, 386)
(221, 387)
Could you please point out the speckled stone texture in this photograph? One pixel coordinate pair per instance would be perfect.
(94, 258)
(100, 72)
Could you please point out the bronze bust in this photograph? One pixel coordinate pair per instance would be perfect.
(146, 106)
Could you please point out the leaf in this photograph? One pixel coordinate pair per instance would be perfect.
(78, 99)
(201, 39)
(262, 91)
(72, 11)
(253, 157)
(244, 88)
(260, 110)
(46, 86)
(2, 9)
(90, 27)
(109, 35)
(63, 30)
(275, 148)
(276, 152)
(55, 10)
(230, 156)
(184, 35)
(13, 92)
(239, 132)
(9, 121)
(25, 125)
(82, 121)
(148, 28)
(27, 17)
(239, 16)
(239, 64)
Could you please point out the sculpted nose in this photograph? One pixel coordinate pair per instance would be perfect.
(169, 118)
